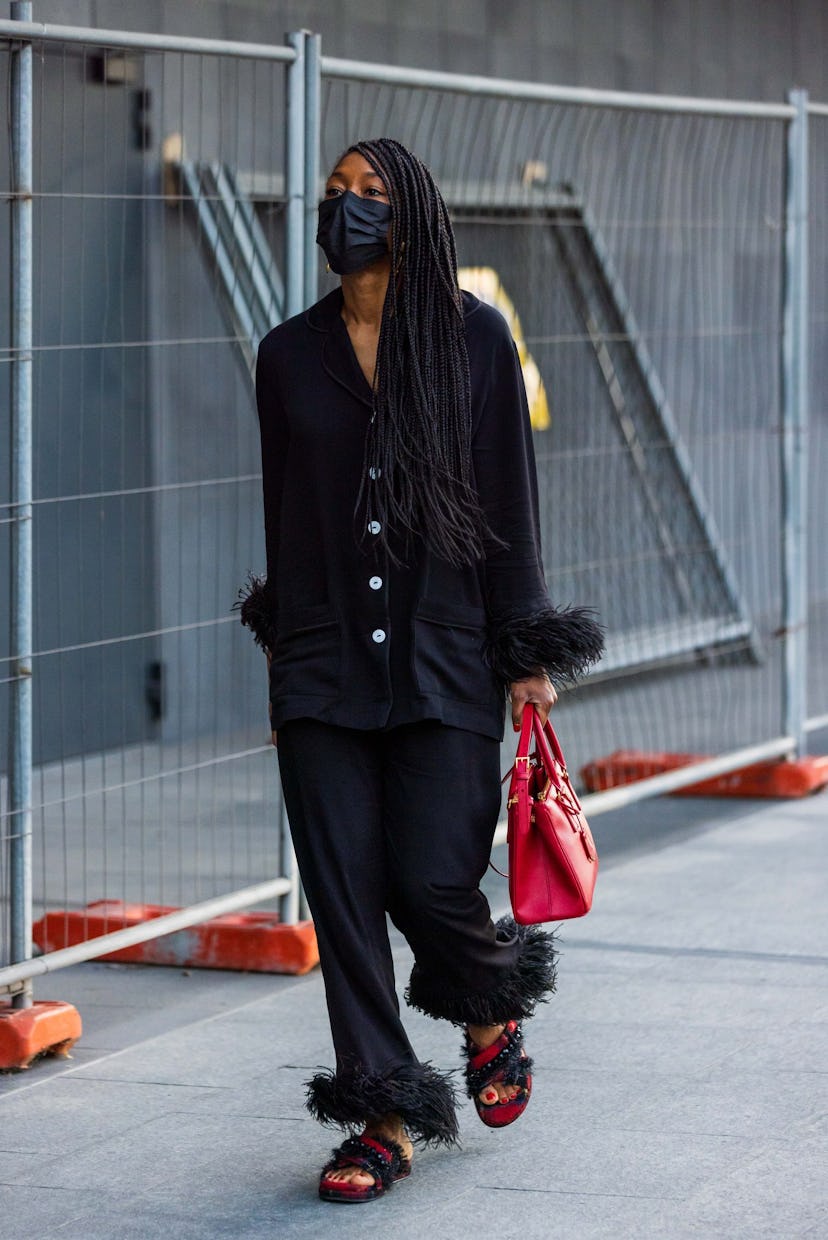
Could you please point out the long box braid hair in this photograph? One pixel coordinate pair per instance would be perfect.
(417, 478)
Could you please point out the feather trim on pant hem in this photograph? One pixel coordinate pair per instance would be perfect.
(424, 1098)
(532, 981)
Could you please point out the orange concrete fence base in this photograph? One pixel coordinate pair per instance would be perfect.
(775, 778)
(258, 942)
(47, 1027)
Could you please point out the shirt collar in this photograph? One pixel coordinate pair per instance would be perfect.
(325, 314)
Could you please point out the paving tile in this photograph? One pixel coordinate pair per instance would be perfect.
(656, 1047)
(694, 1001)
(44, 1120)
(781, 1192)
(724, 966)
(47, 1068)
(769, 1107)
(620, 1161)
(520, 1214)
(222, 1049)
(801, 1046)
(15, 1162)
(179, 1155)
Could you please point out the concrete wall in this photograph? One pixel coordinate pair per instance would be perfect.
(733, 48)
(94, 557)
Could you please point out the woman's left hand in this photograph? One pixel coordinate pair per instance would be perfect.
(538, 690)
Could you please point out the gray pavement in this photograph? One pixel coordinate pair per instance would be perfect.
(681, 1081)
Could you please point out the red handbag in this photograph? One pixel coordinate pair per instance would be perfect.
(553, 862)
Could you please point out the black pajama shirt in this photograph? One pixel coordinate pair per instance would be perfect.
(388, 690)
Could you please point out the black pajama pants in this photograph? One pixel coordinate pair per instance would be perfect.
(400, 821)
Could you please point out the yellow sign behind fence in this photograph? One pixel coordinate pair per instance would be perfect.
(485, 283)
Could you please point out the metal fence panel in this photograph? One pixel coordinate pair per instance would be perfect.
(685, 212)
(154, 777)
(818, 434)
(5, 511)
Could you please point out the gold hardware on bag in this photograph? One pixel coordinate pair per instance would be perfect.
(549, 790)
(588, 843)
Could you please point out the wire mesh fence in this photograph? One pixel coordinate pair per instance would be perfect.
(644, 253)
(818, 432)
(6, 516)
(152, 780)
(639, 255)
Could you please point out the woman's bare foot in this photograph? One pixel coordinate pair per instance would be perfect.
(483, 1036)
(383, 1127)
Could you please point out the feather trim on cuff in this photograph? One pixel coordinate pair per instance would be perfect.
(256, 611)
(563, 642)
(422, 1096)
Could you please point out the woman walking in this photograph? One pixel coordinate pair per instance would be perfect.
(404, 602)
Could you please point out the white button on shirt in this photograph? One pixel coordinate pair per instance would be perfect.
(375, 583)
(374, 471)
(374, 527)
(378, 635)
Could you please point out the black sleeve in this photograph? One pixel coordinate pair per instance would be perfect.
(527, 634)
(257, 599)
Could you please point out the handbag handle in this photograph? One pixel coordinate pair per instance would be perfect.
(548, 747)
(545, 740)
(524, 741)
(548, 739)
(527, 727)
(551, 754)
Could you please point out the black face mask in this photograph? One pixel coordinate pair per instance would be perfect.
(353, 231)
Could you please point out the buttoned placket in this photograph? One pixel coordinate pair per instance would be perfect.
(377, 585)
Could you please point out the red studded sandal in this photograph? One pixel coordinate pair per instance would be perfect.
(505, 1062)
(380, 1157)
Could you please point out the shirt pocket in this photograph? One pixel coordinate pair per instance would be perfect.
(447, 654)
(307, 657)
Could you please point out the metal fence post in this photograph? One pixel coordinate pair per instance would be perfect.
(20, 721)
(295, 176)
(795, 424)
(313, 92)
(313, 114)
(295, 301)
(289, 903)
